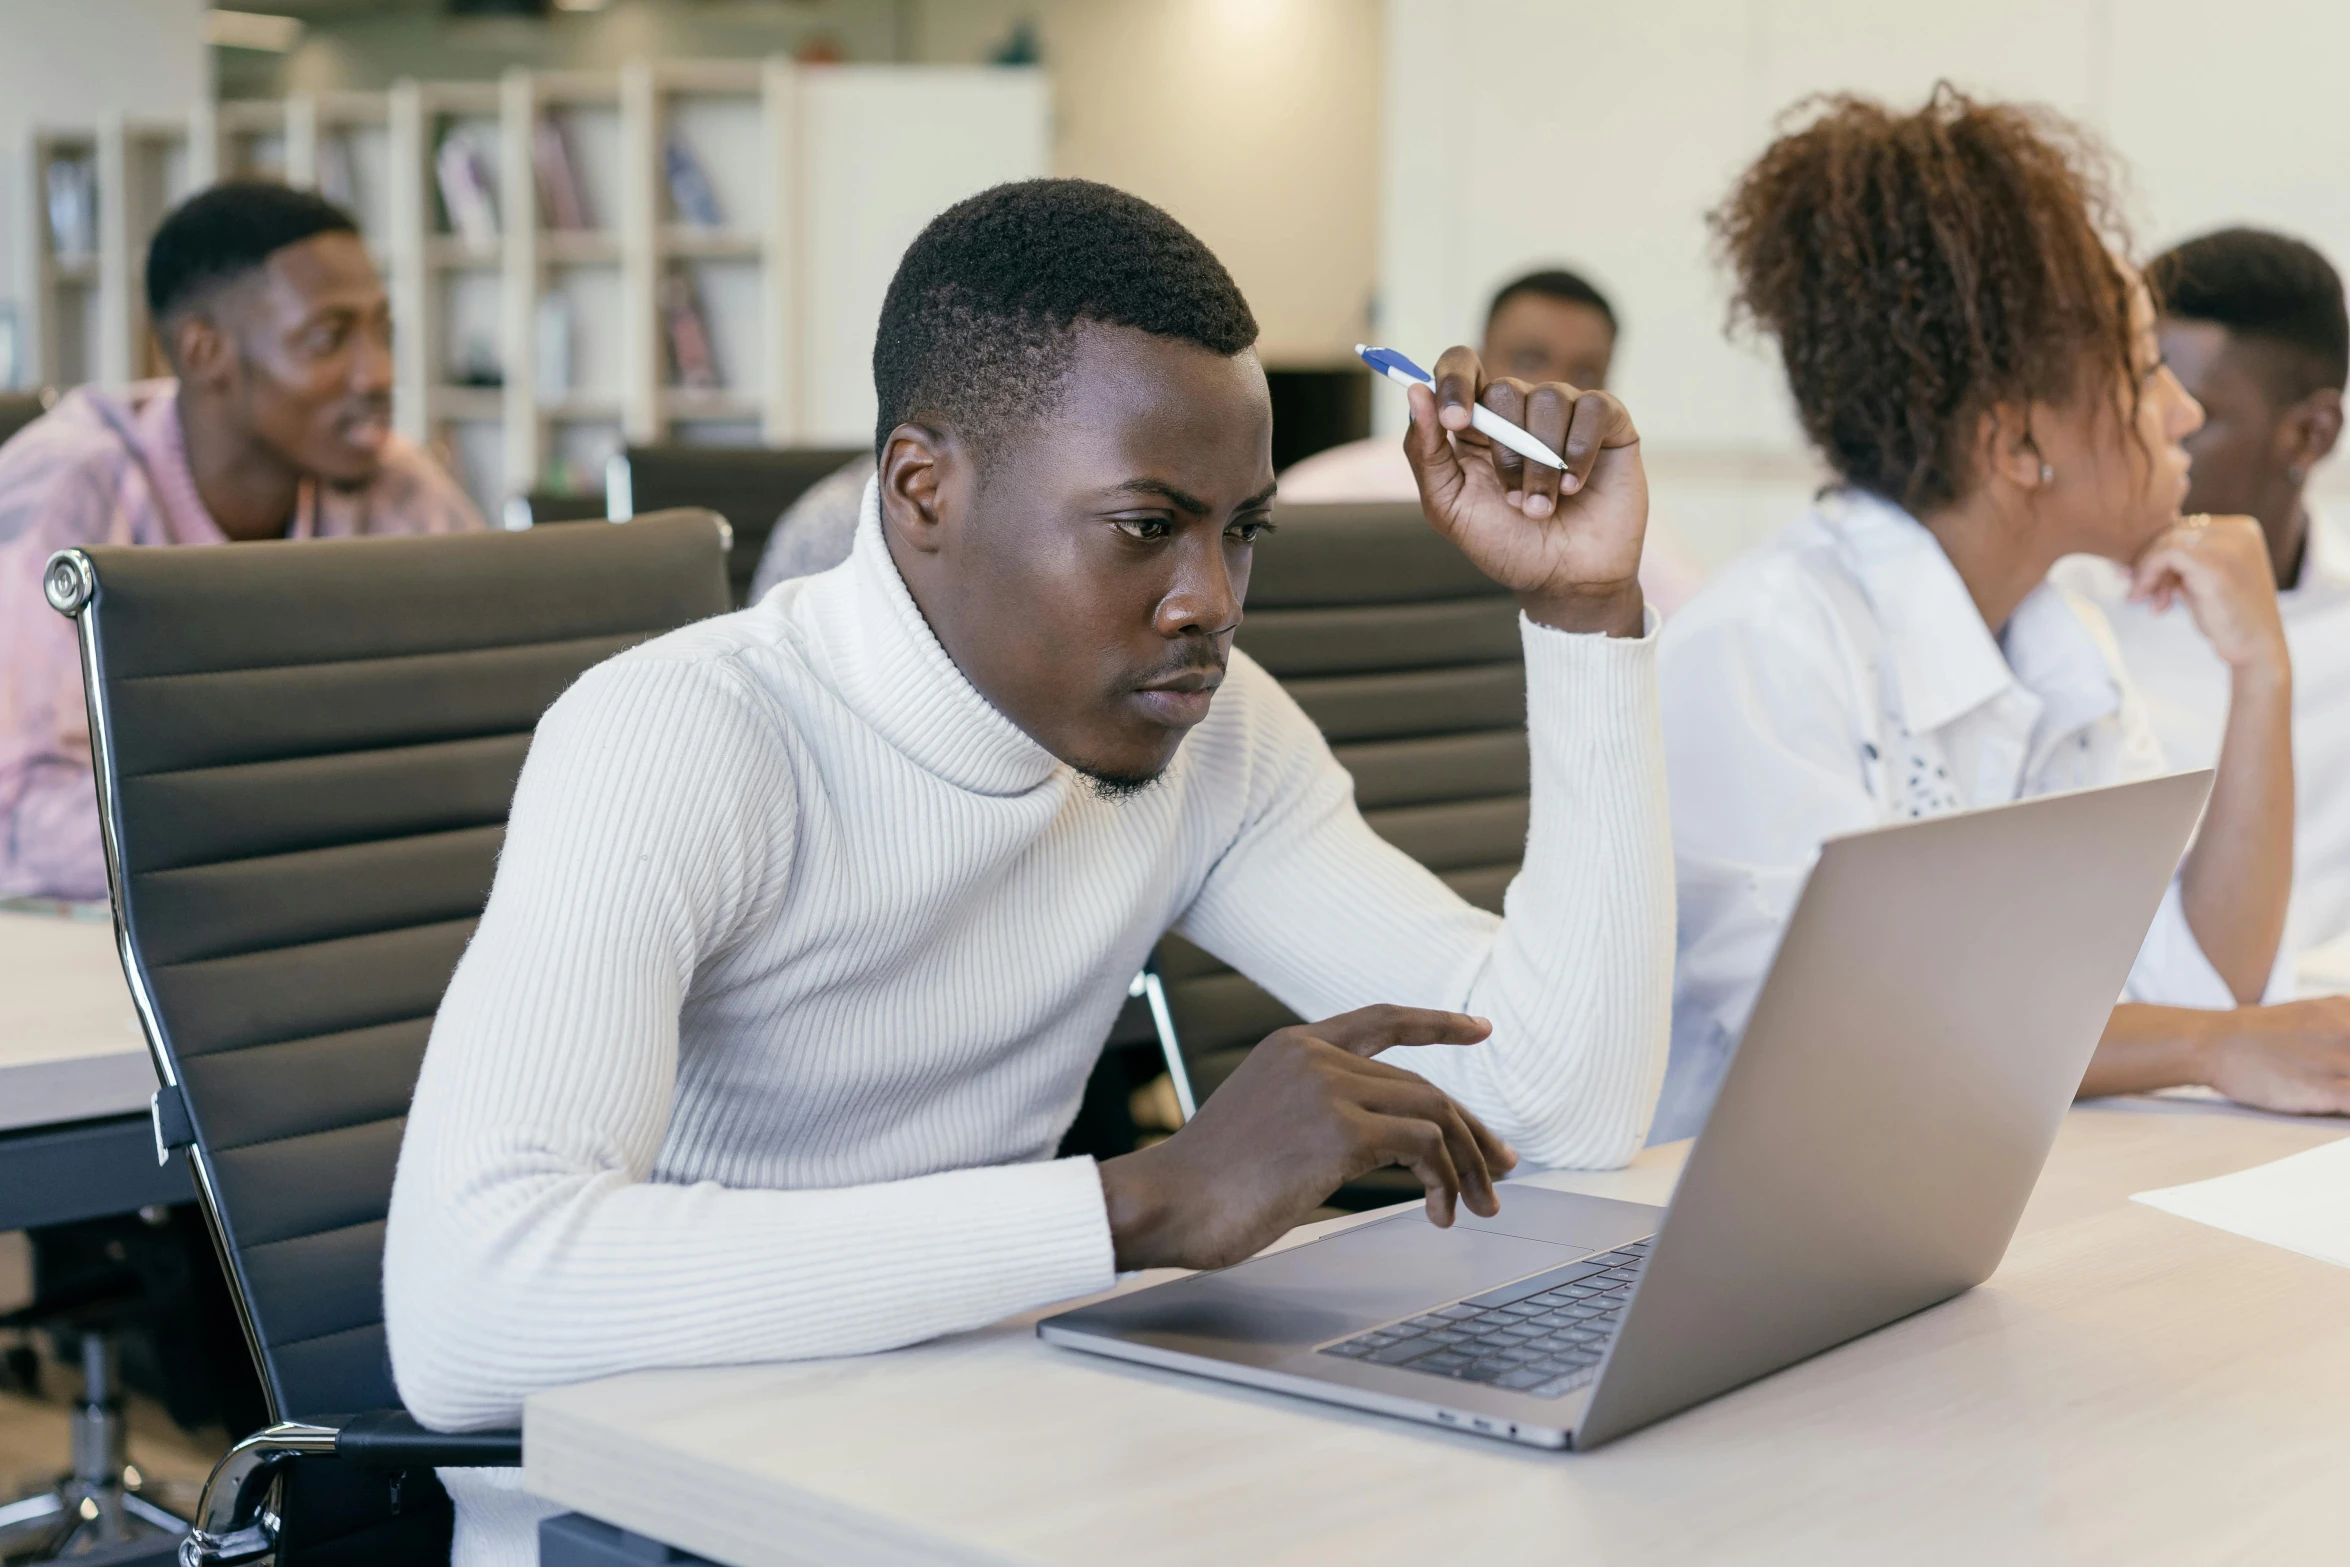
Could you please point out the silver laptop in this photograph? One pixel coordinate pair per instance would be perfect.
(1928, 1017)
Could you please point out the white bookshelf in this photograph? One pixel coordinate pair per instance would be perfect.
(447, 291)
(85, 317)
(820, 176)
(564, 284)
(145, 168)
(60, 328)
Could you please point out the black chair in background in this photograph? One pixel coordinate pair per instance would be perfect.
(1408, 658)
(539, 507)
(1314, 410)
(305, 756)
(18, 409)
(747, 485)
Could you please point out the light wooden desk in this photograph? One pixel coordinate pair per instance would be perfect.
(70, 1046)
(2129, 1387)
(74, 1079)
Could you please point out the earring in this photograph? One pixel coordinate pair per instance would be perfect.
(2296, 473)
(2047, 474)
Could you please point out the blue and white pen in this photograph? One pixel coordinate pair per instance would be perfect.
(1394, 366)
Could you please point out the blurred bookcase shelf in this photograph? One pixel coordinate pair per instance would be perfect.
(674, 250)
(448, 250)
(91, 198)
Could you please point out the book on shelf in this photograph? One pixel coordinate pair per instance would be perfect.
(690, 194)
(465, 191)
(477, 363)
(560, 196)
(73, 208)
(688, 331)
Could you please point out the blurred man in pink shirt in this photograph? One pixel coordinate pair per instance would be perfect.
(1550, 325)
(277, 425)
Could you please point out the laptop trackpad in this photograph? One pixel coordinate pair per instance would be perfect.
(1351, 1281)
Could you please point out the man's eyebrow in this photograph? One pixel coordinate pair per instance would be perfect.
(1183, 500)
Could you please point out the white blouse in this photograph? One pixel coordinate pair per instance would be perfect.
(2186, 691)
(1840, 678)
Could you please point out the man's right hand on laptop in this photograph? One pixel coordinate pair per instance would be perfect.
(1308, 1111)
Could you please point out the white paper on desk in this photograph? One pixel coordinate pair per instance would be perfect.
(2301, 1203)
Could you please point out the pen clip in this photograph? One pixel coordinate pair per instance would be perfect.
(1387, 360)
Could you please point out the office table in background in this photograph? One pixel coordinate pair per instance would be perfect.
(75, 1078)
(2128, 1387)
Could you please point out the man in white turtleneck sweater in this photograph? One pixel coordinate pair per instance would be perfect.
(811, 919)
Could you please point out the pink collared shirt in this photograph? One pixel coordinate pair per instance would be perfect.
(109, 467)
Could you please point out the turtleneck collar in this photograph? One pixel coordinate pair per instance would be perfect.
(880, 655)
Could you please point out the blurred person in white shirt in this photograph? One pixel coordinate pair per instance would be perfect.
(1550, 325)
(2253, 325)
(1979, 367)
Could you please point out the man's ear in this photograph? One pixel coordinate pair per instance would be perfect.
(200, 352)
(2005, 449)
(2312, 427)
(925, 485)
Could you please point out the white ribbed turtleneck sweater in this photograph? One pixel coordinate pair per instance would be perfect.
(800, 952)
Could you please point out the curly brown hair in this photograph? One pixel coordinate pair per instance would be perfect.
(1918, 268)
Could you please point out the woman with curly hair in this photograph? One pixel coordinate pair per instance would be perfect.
(1976, 362)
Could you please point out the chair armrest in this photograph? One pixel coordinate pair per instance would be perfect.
(391, 1439)
(234, 1522)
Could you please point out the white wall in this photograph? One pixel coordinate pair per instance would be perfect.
(1599, 135)
(1255, 122)
(888, 149)
(71, 62)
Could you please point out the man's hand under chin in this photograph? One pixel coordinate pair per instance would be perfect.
(1308, 1111)
(1569, 543)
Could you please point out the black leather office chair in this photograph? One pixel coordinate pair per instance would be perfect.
(536, 508)
(747, 485)
(1408, 658)
(305, 755)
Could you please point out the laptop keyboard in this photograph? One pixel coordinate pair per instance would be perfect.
(1542, 1335)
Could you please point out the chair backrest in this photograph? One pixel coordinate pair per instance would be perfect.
(1408, 658)
(18, 409)
(747, 485)
(305, 755)
(536, 508)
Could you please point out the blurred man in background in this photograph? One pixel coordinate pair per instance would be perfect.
(2254, 325)
(275, 424)
(1551, 325)
(1546, 326)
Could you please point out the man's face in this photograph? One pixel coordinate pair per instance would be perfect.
(1090, 582)
(2240, 455)
(1535, 337)
(310, 364)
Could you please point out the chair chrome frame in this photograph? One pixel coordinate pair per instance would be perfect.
(235, 1521)
(1147, 985)
(71, 586)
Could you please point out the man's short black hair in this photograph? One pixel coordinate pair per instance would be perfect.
(226, 231)
(976, 330)
(1553, 283)
(2266, 286)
